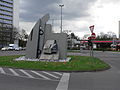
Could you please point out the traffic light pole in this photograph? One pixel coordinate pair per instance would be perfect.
(90, 43)
(92, 49)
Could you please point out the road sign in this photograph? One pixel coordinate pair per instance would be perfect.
(91, 28)
(93, 35)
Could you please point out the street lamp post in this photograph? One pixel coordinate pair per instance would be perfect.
(61, 5)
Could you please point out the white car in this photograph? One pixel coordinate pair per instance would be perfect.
(5, 48)
(18, 48)
(11, 48)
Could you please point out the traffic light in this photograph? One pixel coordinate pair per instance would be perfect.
(90, 42)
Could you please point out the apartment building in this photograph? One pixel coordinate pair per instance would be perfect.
(9, 19)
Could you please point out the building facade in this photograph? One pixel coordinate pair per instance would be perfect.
(9, 19)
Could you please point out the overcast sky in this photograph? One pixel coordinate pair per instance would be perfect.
(78, 15)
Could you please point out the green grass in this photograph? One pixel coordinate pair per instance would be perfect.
(74, 51)
(77, 63)
(115, 51)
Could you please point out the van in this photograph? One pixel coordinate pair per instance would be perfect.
(13, 46)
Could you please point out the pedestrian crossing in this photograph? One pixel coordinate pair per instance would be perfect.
(2, 71)
(50, 74)
(29, 75)
(16, 74)
(40, 75)
(32, 74)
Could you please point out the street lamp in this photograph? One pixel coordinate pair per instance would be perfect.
(61, 5)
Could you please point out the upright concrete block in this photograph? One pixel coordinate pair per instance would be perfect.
(36, 38)
(61, 39)
(31, 49)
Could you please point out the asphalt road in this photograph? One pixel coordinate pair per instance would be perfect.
(18, 83)
(19, 79)
(103, 80)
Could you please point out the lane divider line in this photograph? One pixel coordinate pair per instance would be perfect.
(63, 84)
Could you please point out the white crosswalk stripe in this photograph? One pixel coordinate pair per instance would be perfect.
(40, 75)
(57, 73)
(63, 84)
(16, 74)
(30, 76)
(50, 74)
(2, 71)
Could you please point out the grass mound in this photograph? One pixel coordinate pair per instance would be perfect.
(77, 63)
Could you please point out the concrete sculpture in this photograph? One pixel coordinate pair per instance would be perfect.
(44, 44)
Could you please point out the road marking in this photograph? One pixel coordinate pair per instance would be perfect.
(63, 84)
(40, 75)
(2, 71)
(57, 73)
(50, 74)
(16, 74)
(30, 76)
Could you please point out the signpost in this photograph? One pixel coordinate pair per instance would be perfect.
(90, 40)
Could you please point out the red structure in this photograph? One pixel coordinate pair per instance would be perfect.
(99, 44)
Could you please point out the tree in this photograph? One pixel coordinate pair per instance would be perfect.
(72, 35)
(103, 36)
(22, 36)
(111, 34)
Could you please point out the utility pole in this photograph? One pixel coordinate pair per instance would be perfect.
(61, 5)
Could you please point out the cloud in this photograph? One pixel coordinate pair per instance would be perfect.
(109, 1)
(75, 13)
(78, 15)
(27, 26)
(32, 10)
(35, 9)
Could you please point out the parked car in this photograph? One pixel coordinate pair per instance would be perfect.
(11, 48)
(18, 48)
(5, 48)
(83, 47)
(24, 48)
